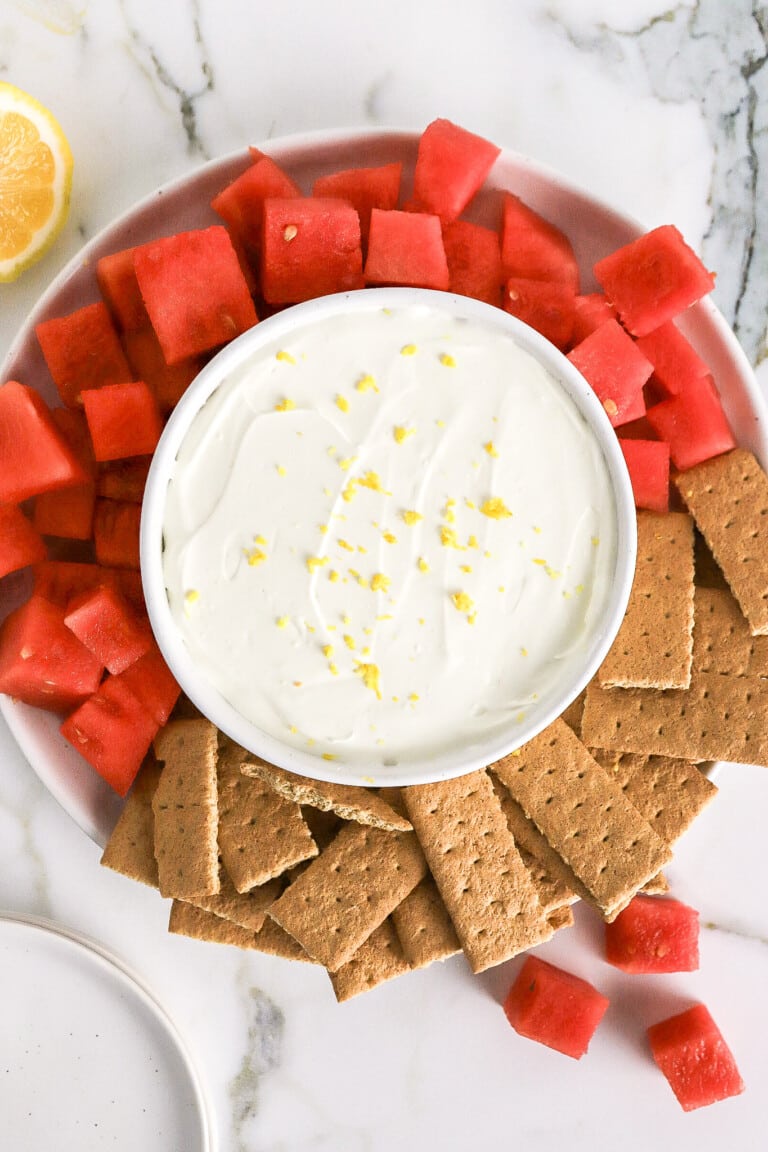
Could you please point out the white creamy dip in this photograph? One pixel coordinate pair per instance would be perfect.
(389, 535)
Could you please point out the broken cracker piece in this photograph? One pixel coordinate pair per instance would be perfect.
(248, 909)
(424, 927)
(379, 959)
(130, 849)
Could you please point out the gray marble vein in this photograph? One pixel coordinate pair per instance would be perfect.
(714, 54)
(738, 933)
(263, 1053)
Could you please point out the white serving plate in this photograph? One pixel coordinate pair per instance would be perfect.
(593, 228)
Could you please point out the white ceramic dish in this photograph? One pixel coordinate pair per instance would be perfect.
(593, 227)
(464, 755)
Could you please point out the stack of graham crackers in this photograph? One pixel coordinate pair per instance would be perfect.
(372, 884)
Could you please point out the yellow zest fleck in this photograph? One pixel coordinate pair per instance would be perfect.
(523, 651)
(447, 360)
(282, 621)
(311, 740)
(502, 588)
(401, 433)
(297, 683)
(472, 617)
(462, 601)
(346, 462)
(422, 565)
(293, 728)
(541, 562)
(348, 494)
(361, 549)
(290, 232)
(472, 542)
(440, 423)
(192, 596)
(495, 508)
(520, 717)
(346, 546)
(448, 513)
(421, 621)
(369, 674)
(595, 541)
(385, 617)
(408, 350)
(537, 530)
(345, 618)
(487, 555)
(365, 651)
(333, 576)
(362, 581)
(470, 503)
(350, 642)
(396, 699)
(254, 556)
(285, 357)
(566, 594)
(491, 449)
(331, 450)
(579, 589)
(368, 631)
(465, 567)
(552, 572)
(284, 405)
(322, 528)
(328, 756)
(380, 582)
(414, 696)
(390, 537)
(411, 517)
(449, 539)
(315, 562)
(327, 651)
(372, 480)
(366, 383)
(281, 471)
(333, 670)
(342, 403)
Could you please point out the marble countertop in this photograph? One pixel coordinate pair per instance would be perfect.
(659, 110)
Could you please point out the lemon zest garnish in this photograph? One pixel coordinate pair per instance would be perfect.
(541, 562)
(462, 601)
(385, 617)
(447, 360)
(595, 540)
(523, 651)
(372, 480)
(315, 562)
(390, 537)
(327, 651)
(495, 508)
(254, 556)
(192, 596)
(346, 462)
(346, 545)
(380, 582)
(281, 471)
(285, 405)
(366, 383)
(465, 567)
(537, 530)
(333, 576)
(448, 538)
(448, 513)
(282, 621)
(342, 403)
(414, 696)
(349, 641)
(345, 618)
(422, 565)
(333, 669)
(348, 494)
(470, 503)
(411, 517)
(328, 756)
(285, 357)
(408, 350)
(472, 542)
(362, 581)
(491, 449)
(369, 674)
(401, 433)
(471, 618)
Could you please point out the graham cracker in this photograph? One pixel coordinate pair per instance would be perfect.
(573, 713)
(654, 646)
(722, 716)
(346, 800)
(248, 909)
(271, 940)
(261, 834)
(185, 808)
(424, 927)
(728, 498)
(199, 924)
(130, 849)
(585, 816)
(669, 793)
(349, 890)
(657, 886)
(379, 959)
(482, 879)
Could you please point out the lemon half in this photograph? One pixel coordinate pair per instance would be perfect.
(35, 180)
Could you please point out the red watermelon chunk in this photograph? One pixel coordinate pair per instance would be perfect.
(68, 512)
(534, 249)
(169, 382)
(152, 683)
(20, 542)
(194, 291)
(60, 580)
(698, 1064)
(613, 365)
(693, 424)
(648, 466)
(116, 533)
(120, 288)
(241, 204)
(451, 164)
(311, 248)
(591, 311)
(113, 732)
(82, 351)
(545, 305)
(474, 261)
(124, 480)
(104, 621)
(406, 249)
(676, 362)
(123, 420)
(34, 455)
(365, 189)
(554, 1007)
(42, 662)
(653, 279)
(654, 935)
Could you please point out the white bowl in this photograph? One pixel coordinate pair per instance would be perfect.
(410, 767)
(593, 228)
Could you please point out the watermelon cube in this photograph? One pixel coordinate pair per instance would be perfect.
(124, 480)
(474, 261)
(675, 361)
(120, 288)
(451, 164)
(241, 204)
(311, 247)
(693, 423)
(113, 732)
(364, 188)
(116, 533)
(654, 935)
(406, 249)
(653, 279)
(60, 580)
(648, 466)
(68, 512)
(34, 455)
(194, 291)
(534, 249)
(698, 1064)
(168, 382)
(554, 1007)
(104, 621)
(123, 420)
(591, 311)
(42, 662)
(82, 351)
(545, 305)
(152, 683)
(20, 542)
(613, 365)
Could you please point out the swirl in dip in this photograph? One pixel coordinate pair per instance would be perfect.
(389, 535)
